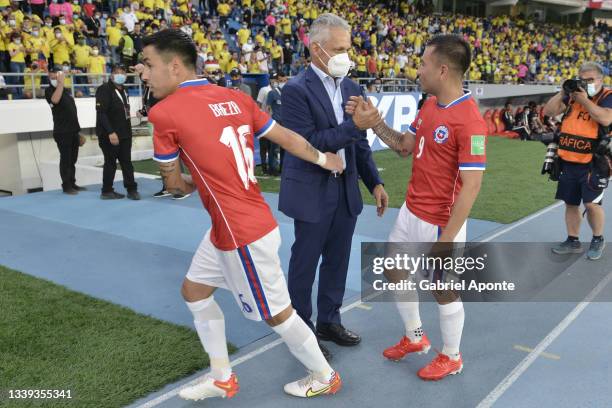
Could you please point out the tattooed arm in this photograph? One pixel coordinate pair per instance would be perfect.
(174, 180)
(302, 149)
(402, 143)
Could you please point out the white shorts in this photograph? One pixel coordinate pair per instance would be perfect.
(252, 273)
(410, 228)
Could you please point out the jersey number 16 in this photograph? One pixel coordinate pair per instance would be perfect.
(242, 153)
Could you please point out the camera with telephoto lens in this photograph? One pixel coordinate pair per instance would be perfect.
(572, 85)
(549, 159)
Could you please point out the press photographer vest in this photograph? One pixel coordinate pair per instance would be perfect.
(579, 132)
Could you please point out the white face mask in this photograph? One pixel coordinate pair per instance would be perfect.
(62, 21)
(54, 83)
(338, 65)
(591, 90)
(58, 35)
(94, 52)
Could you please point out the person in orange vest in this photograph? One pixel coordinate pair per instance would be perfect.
(587, 115)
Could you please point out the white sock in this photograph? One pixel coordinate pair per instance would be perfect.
(210, 325)
(303, 345)
(407, 303)
(452, 317)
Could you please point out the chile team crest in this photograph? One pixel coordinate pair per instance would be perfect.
(441, 134)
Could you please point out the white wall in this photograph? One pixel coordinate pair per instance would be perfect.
(34, 115)
(29, 157)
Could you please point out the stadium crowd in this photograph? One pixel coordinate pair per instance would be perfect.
(257, 36)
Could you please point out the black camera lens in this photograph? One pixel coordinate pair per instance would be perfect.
(570, 85)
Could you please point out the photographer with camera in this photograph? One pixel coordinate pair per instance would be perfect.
(582, 165)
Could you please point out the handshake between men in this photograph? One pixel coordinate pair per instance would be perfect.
(364, 113)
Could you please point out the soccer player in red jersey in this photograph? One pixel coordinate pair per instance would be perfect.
(212, 129)
(447, 140)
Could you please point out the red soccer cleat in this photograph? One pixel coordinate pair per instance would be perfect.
(440, 367)
(405, 346)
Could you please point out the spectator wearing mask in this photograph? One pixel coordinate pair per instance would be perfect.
(128, 18)
(66, 129)
(61, 48)
(97, 66)
(114, 131)
(287, 58)
(238, 84)
(82, 53)
(17, 53)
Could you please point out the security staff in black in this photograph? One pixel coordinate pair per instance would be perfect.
(66, 129)
(114, 132)
(585, 124)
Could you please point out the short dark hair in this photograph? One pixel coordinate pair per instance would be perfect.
(175, 42)
(453, 50)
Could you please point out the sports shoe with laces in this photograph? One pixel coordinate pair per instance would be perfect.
(596, 249)
(440, 367)
(568, 247)
(405, 346)
(209, 388)
(162, 193)
(310, 386)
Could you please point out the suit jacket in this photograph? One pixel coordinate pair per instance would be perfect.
(308, 111)
(111, 112)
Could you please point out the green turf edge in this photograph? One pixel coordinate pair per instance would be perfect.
(107, 355)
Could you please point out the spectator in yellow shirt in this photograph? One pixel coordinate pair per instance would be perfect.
(60, 47)
(38, 45)
(224, 10)
(243, 34)
(96, 65)
(17, 53)
(28, 90)
(113, 33)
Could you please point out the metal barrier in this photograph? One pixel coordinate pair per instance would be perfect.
(79, 82)
(406, 85)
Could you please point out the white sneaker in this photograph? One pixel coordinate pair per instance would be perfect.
(309, 386)
(209, 387)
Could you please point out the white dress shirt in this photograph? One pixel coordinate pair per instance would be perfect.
(332, 86)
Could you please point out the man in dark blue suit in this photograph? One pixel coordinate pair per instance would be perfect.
(325, 205)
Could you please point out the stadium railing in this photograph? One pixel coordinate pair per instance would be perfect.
(86, 83)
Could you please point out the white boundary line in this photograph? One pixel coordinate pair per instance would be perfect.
(503, 386)
(172, 393)
(166, 396)
(522, 221)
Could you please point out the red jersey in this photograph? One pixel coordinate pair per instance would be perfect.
(212, 129)
(448, 139)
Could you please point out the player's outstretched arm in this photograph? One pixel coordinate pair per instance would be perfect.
(300, 148)
(174, 180)
(364, 111)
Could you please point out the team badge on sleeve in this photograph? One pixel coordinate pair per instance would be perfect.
(441, 134)
(478, 145)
